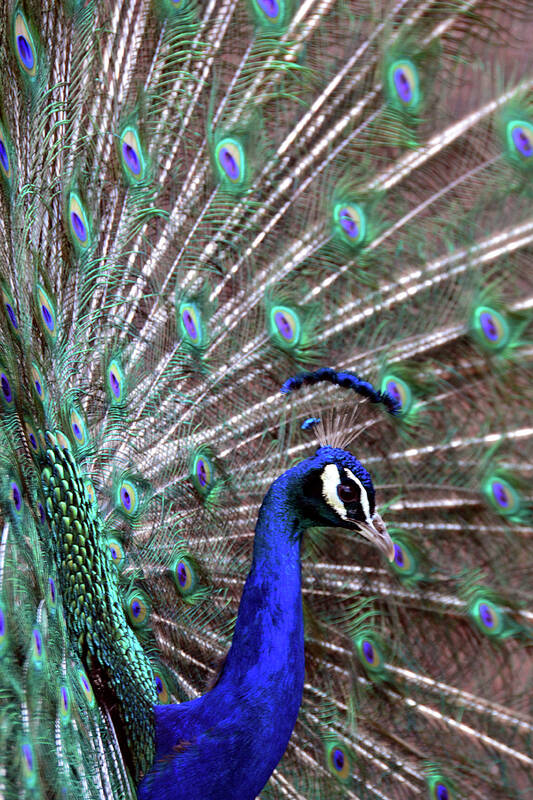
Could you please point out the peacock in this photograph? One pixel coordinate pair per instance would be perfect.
(266, 436)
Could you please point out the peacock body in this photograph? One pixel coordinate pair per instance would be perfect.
(198, 201)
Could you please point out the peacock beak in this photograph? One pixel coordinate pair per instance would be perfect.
(375, 531)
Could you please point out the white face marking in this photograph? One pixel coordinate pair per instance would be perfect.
(330, 480)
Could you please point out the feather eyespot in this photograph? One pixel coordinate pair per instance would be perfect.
(41, 513)
(403, 563)
(86, 688)
(9, 308)
(8, 393)
(28, 765)
(502, 496)
(202, 472)
(117, 552)
(190, 320)
(115, 382)
(131, 154)
(491, 328)
(161, 688)
(370, 655)
(37, 383)
(47, 314)
(78, 222)
(25, 46)
(520, 138)
(184, 577)
(15, 496)
(3, 629)
(350, 222)
(128, 497)
(64, 704)
(137, 609)
(5, 165)
(231, 161)
(404, 83)
(37, 649)
(400, 392)
(487, 616)
(285, 326)
(52, 593)
(273, 10)
(338, 761)
(77, 426)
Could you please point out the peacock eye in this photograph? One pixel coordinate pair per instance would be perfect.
(349, 492)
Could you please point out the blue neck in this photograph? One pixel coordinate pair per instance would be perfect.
(226, 743)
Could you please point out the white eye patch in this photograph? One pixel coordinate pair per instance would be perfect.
(331, 478)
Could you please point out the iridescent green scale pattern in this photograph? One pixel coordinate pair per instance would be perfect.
(95, 616)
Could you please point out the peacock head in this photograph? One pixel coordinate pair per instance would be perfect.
(337, 491)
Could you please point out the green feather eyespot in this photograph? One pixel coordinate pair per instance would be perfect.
(502, 496)
(78, 428)
(116, 383)
(202, 472)
(338, 761)
(190, 324)
(78, 223)
(5, 161)
(519, 136)
(404, 563)
(15, 497)
(350, 223)
(439, 789)
(137, 609)
(184, 577)
(490, 328)
(7, 389)
(230, 162)
(37, 384)
(37, 648)
(3, 630)
(370, 656)
(403, 84)
(285, 327)
(488, 617)
(90, 492)
(161, 688)
(127, 497)
(64, 703)
(131, 155)
(399, 390)
(32, 437)
(117, 552)
(270, 13)
(46, 314)
(29, 766)
(86, 688)
(24, 44)
(8, 305)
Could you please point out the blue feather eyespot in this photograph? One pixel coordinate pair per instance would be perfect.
(25, 46)
(202, 472)
(231, 161)
(52, 594)
(77, 426)
(86, 687)
(403, 563)
(271, 12)
(338, 761)
(487, 616)
(37, 649)
(47, 314)
(285, 326)
(520, 139)
(370, 655)
(350, 223)
(37, 383)
(78, 222)
(128, 497)
(15, 495)
(3, 629)
(41, 513)
(502, 496)
(137, 609)
(115, 382)
(403, 84)
(32, 437)
(29, 768)
(184, 577)
(7, 390)
(190, 322)
(439, 789)
(5, 164)
(131, 154)
(400, 392)
(117, 552)
(491, 328)
(9, 309)
(161, 688)
(64, 704)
